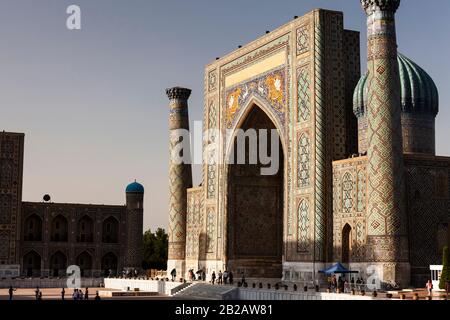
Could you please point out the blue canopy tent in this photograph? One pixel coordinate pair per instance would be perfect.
(337, 268)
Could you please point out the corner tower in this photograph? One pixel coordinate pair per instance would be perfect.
(135, 219)
(386, 217)
(180, 177)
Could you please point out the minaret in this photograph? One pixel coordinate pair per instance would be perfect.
(135, 219)
(387, 241)
(180, 178)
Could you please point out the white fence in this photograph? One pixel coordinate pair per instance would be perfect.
(162, 287)
(262, 294)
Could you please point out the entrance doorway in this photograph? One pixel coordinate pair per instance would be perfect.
(255, 207)
(346, 241)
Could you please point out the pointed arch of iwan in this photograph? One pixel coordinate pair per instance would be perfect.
(255, 102)
(255, 203)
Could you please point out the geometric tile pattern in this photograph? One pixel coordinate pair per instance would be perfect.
(303, 39)
(320, 140)
(11, 168)
(211, 168)
(4, 245)
(347, 190)
(177, 209)
(335, 91)
(303, 226)
(194, 223)
(385, 142)
(6, 172)
(359, 250)
(304, 94)
(303, 161)
(180, 175)
(347, 175)
(212, 80)
(210, 229)
(361, 193)
(427, 210)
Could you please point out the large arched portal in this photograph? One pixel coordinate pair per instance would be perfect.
(255, 204)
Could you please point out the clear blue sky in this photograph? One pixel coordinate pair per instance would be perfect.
(92, 102)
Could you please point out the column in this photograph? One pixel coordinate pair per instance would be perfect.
(180, 177)
(387, 246)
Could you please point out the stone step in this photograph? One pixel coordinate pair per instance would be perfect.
(204, 291)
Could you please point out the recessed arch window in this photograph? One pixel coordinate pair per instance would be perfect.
(110, 230)
(59, 229)
(33, 228)
(85, 229)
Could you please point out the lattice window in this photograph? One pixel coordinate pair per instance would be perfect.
(304, 94)
(303, 161)
(361, 195)
(210, 229)
(347, 188)
(302, 226)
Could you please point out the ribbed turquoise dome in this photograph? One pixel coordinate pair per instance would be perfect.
(418, 92)
(135, 187)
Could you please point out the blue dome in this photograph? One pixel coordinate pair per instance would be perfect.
(135, 187)
(418, 92)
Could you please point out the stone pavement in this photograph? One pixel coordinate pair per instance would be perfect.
(197, 291)
(55, 294)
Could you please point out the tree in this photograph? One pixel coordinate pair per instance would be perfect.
(155, 249)
(445, 275)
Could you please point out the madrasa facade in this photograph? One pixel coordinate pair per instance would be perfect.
(41, 239)
(359, 179)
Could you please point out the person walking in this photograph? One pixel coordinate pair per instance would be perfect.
(213, 277)
(429, 287)
(230, 276)
(334, 283)
(11, 292)
(225, 276)
(81, 295)
(86, 294)
(63, 293)
(36, 292)
(219, 279)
